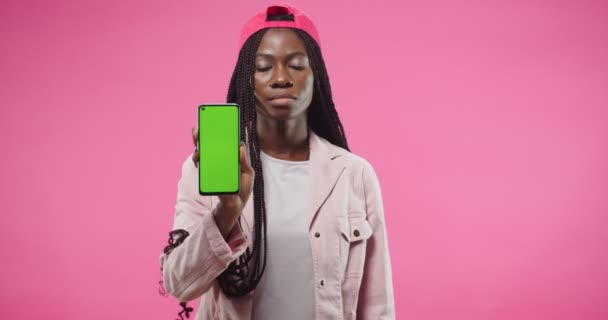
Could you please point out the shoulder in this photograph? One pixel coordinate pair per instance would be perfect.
(358, 180)
(356, 164)
(351, 158)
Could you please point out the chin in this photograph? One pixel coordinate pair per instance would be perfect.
(281, 113)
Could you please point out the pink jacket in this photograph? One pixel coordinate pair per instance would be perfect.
(352, 269)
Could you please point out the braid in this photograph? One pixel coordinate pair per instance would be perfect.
(243, 274)
(322, 115)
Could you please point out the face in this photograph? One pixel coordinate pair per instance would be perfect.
(283, 78)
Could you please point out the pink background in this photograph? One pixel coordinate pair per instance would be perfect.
(487, 123)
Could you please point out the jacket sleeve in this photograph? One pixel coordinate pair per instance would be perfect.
(376, 299)
(190, 268)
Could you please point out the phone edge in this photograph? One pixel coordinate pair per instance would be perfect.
(238, 186)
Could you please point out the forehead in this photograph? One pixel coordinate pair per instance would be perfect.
(279, 41)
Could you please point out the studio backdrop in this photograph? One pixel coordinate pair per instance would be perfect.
(486, 122)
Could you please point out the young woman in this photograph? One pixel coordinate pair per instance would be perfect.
(311, 243)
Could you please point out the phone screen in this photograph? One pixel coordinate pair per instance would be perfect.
(218, 140)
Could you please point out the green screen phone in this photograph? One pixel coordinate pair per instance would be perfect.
(218, 140)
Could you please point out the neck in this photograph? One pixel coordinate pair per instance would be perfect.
(284, 139)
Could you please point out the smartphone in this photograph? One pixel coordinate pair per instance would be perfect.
(218, 143)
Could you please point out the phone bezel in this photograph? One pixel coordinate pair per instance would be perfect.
(221, 105)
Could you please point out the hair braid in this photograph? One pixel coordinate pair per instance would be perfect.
(239, 279)
(322, 115)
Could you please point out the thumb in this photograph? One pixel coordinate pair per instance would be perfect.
(245, 160)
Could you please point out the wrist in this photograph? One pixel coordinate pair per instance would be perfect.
(228, 207)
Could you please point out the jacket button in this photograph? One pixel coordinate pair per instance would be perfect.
(322, 283)
(356, 233)
(317, 235)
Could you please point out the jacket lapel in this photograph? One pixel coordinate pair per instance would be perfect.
(327, 164)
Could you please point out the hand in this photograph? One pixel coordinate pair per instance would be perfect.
(235, 202)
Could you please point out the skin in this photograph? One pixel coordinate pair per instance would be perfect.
(282, 67)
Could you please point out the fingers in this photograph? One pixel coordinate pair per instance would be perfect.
(195, 154)
(195, 135)
(195, 158)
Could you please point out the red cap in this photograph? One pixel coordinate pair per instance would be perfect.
(258, 22)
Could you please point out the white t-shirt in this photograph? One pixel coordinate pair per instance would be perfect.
(286, 288)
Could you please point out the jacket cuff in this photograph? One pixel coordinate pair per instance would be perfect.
(225, 251)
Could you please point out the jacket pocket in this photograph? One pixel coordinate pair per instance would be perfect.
(355, 230)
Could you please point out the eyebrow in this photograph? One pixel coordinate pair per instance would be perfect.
(289, 56)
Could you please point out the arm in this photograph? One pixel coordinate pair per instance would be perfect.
(190, 268)
(376, 299)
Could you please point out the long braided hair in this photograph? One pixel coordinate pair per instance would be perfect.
(243, 274)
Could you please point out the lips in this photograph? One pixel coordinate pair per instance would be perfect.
(282, 96)
(282, 100)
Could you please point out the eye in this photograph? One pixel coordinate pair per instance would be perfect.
(297, 67)
(262, 69)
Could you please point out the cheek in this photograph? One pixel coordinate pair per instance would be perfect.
(258, 84)
(309, 83)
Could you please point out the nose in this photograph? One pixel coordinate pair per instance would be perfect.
(281, 78)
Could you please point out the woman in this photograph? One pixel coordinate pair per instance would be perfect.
(312, 242)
